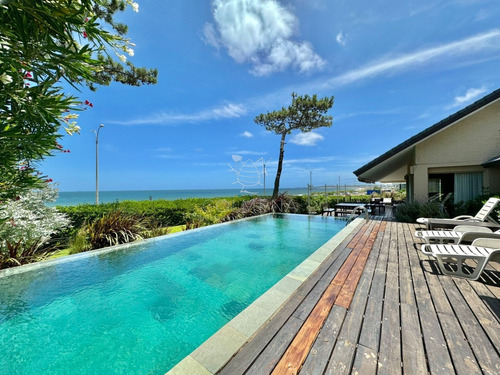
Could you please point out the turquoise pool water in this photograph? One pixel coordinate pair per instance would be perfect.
(142, 309)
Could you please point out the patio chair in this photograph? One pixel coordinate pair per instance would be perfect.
(459, 234)
(481, 252)
(481, 216)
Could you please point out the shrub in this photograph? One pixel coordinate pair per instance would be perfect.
(80, 241)
(164, 212)
(27, 225)
(472, 207)
(253, 207)
(284, 203)
(209, 214)
(409, 212)
(115, 228)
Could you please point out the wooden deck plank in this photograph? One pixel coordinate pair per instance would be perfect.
(317, 358)
(488, 298)
(461, 353)
(462, 357)
(404, 317)
(298, 350)
(366, 361)
(438, 356)
(370, 331)
(306, 306)
(485, 353)
(266, 362)
(347, 292)
(357, 237)
(343, 273)
(484, 316)
(413, 351)
(296, 354)
(390, 337)
(342, 357)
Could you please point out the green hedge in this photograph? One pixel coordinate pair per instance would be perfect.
(165, 212)
(182, 211)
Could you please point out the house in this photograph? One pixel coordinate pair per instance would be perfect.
(459, 155)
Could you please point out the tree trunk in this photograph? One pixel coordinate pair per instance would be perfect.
(280, 167)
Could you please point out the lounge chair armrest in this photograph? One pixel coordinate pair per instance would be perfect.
(424, 250)
(464, 217)
(418, 233)
(463, 228)
(492, 243)
(472, 236)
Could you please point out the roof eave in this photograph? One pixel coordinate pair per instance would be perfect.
(488, 99)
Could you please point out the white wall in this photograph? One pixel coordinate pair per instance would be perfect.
(461, 147)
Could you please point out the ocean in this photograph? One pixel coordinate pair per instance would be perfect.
(73, 198)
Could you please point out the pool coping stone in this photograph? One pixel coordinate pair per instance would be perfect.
(217, 350)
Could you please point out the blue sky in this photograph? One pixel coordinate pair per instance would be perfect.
(394, 68)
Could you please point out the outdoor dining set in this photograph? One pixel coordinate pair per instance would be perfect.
(376, 206)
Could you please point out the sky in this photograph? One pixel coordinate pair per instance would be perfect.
(394, 68)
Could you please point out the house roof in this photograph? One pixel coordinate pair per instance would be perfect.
(404, 149)
(493, 162)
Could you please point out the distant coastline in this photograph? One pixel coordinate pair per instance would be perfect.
(73, 198)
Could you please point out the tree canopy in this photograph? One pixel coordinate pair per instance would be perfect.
(305, 114)
(42, 45)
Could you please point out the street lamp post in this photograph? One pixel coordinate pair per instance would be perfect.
(97, 162)
(264, 170)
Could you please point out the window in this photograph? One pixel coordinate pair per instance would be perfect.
(468, 186)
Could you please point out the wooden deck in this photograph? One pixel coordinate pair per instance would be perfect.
(379, 306)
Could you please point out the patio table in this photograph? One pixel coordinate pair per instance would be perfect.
(347, 208)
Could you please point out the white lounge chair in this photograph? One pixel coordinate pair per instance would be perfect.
(459, 234)
(483, 215)
(481, 251)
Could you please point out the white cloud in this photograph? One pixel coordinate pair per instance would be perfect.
(469, 46)
(306, 139)
(246, 152)
(210, 35)
(246, 134)
(340, 38)
(167, 153)
(226, 111)
(164, 149)
(320, 159)
(448, 56)
(165, 156)
(469, 96)
(260, 32)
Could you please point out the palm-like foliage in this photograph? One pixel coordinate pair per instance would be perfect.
(115, 228)
(284, 203)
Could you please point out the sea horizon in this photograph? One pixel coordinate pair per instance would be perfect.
(73, 198)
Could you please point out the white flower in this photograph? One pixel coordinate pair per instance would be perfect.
(135, 6)
(72, 128)
(6, 79)
(123, 58)
(130, 51)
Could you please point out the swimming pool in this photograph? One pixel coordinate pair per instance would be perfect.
(144, 308)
